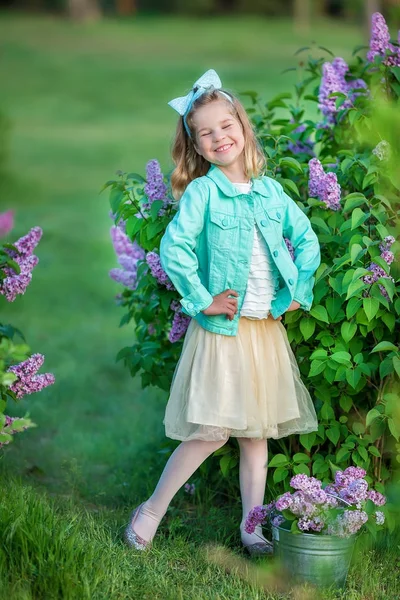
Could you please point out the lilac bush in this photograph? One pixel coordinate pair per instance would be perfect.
(341, 508)
(341, 167)
(18, 371)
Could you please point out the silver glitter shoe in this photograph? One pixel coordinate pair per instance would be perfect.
(260, 548)
(131, 537)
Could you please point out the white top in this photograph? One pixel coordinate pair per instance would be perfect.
(263, 274)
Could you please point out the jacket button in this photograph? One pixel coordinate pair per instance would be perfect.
(190, 305)
(263, 223)
(290, 281)
(224, 222)
(275, 253)
(278, 214)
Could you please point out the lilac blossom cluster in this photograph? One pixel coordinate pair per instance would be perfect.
(323, 186)
(376, 271)
(28, 381)
(380, 44)
(334, 80)
(180, 322)
(15, 284)
(128, 254)
(155, 188)
(312, 505)
(154, 262)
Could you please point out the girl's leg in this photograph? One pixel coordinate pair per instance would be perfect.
(253, 476)
(183, 462)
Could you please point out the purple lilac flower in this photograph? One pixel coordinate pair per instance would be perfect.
(380, 517)
(387, 242)
(348, 523)
(284, 502)
(377, 498)
(355, 492)
(277, 520)
(14, 283)
(190, 488)
(333, 80)
(28, 382)
(151, 329)
(155, 188)
(323, 186)
(257, 516)
(380, 37)
(129, 254)
(301, 146)
(154, 262)
(180, 323)
(6, 222)
(377, 271)
(344, 478)
(382, 150)
(290, 247)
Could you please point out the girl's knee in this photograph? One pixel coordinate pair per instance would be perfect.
(217, 444)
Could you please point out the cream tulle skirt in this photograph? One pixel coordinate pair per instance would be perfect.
(246, 385)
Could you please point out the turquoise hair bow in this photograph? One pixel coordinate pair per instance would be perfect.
(208, 81)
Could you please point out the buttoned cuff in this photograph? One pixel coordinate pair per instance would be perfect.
(197, 301)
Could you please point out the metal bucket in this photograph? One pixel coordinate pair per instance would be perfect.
(321, 560)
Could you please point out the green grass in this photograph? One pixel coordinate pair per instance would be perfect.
(83, 101)
(58, 549)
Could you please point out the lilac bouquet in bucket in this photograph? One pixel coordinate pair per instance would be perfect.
(325, 520)
(339, 509)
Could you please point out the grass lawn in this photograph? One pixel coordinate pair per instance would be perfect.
(83, 101)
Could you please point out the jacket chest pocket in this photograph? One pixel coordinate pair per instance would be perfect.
(223, 230)
(275, 216)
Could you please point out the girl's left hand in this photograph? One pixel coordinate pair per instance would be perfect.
(294, 306)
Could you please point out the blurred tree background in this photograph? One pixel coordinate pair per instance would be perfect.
(302, 10)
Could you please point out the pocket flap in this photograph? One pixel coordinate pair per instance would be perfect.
(224, 221)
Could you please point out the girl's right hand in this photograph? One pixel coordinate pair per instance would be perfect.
(222, 305)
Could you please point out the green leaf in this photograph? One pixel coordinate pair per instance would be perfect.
(333, 434)
(394, 429)
(342, 455)
(224, 464)
(133, 225)
(317, 366)
(307, 328)
(352, 307)
(280, 474)
(371, 307)
(136, 177)
(354, 288)
(396, 365)
(358, 428)
(346, 403)
(320, 313)
(292, 163)
(371, 416)
(279, 460)
(343, 358)
(307, 440)
(358, 217)
(356, 251)
(301, 468)
(294, 528)
(155, 208)
(301, 457)
(116, 195)
(353, 377)
(321, 224)
(348, 330)
(385, 347)
(353, 200)
(363, 453)
(374, 451)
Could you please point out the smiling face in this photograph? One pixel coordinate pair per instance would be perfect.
(219, 137)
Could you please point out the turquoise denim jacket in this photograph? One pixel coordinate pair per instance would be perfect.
(207, 246)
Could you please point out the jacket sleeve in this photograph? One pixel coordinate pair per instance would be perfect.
(297, 228)
(177, 255)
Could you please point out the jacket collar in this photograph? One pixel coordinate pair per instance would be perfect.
(229, 189)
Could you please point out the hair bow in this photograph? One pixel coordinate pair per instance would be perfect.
(183, 104)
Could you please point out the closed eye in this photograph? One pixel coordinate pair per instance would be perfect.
(203, 134)
(227, 126)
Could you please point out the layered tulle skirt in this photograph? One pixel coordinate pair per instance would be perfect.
(247, 385)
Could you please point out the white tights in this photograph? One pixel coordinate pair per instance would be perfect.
(184, 461)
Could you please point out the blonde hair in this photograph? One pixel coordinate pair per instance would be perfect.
(189, 164)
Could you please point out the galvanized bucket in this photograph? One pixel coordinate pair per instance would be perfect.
(321, 560)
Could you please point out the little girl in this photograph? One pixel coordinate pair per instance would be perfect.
(226, 255)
